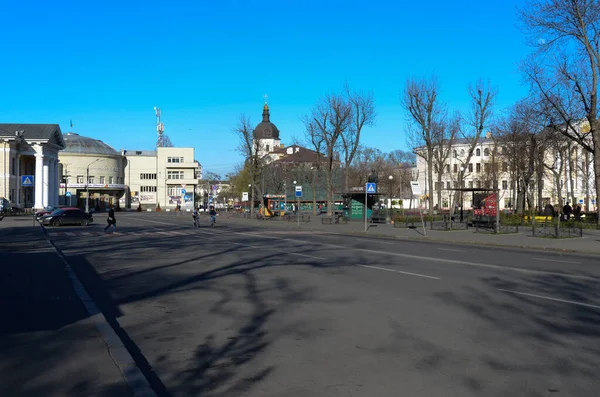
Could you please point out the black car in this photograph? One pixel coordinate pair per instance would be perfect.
(67, 216)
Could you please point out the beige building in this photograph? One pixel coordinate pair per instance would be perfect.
(167, 177)
(91, 166)
(478, 175)
(29, 168)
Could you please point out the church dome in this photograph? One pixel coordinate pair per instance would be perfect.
(77, 144)
(265, 129)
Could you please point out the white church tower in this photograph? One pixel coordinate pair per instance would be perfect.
(266, 133)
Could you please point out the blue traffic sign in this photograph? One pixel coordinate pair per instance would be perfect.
(68, 194)
(183, 191)
(371, 187)
(27, 180)
(298, 191)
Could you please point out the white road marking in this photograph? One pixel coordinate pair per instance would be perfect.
(399, 271)
(450, 249)
(556, 260)
(443, 260)
(70, 234)
(306, 256)
(550, 298)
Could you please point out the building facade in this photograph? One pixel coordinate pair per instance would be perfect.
(491, 167)
(92, 173)
(29, 168)
(165, 178)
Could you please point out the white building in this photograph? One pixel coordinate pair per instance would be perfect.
(166, 177)
(90, 165)
(29, 170)
(479, 175)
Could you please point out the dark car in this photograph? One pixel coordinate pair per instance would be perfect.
(66, 216)
(50, 209)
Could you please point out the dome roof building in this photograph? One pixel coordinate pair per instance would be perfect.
(92, 173)
(77, 144)
(265, 129)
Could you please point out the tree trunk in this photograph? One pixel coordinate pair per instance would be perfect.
(330, 191)
(430, 183)
(597, 167)
(314, 192)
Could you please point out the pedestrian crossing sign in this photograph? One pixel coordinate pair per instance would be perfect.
(371, 187)
(26, 180)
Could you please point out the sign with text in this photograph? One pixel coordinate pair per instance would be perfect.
(416, 188)
(244, 196)
(298, 191)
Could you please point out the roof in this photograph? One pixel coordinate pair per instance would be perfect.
(265, 129)
(32, 132)
(75, 143)
(299, 155)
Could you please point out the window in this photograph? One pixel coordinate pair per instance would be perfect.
(174, 190)
(470, 167)
(448, 185)
(147, 176)
(447, 168)
(486, 152)
(268, 148)
(175, 159)
(174, 174)
(147, 188)
(462, 152)
(111, 180)
(455, 153)
(91, 179)
(478, 152)
(455, 167)
(478, 166)
(102, 180)
(79, 178)
(471, 184)
(504, 166)
(504, 185)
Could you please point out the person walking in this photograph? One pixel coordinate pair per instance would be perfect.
(567, 210)
(111, 220)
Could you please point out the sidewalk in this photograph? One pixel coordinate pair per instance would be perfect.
(588, 244)
(49, 345)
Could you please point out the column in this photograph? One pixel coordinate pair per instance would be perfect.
(18, 172)
(39, 179)
(55, 181)
(51, 183)
(45, 184)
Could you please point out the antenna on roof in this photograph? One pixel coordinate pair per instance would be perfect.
(160, 128)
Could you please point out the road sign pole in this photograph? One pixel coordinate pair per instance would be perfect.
(298, 212)
(366, 198)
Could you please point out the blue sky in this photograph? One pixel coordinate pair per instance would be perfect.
(105, 65)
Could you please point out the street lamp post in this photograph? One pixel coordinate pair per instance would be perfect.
(87, 183)
(389, 212)
(462, 174)
(250, 204)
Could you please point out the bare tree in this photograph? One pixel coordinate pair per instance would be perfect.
(327, 121)
(443, 137)
(477, 120)
(362, 113)
(566, 67)
(250, 148)
(421, 101)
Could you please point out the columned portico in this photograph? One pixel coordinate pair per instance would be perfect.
(39, 171)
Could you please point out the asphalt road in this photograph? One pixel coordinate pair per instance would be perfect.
(240, 311)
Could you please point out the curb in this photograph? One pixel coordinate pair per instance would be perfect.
(132, 374)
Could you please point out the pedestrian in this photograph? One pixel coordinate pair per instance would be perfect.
(195, 216)
(567, 211)
(111, 220)
(577, 212)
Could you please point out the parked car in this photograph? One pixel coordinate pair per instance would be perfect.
(49, 209)
(66, 216)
